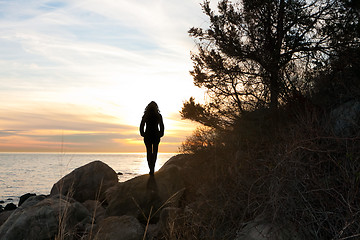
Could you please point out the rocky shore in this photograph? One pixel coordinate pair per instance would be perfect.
(90, 203)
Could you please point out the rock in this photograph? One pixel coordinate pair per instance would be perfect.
(196, 173)
(4, 216)
(2, 202)
(345, 119)
(31, 201)
(24, 197)
(140, 195)
(43, 217)
(119, 173)
(153, 231)
(181, 176)
(267, 231)
(96, 210)
(88, 182)
(10, 206)
(120, 228)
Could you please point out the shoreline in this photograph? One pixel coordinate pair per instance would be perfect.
(95, 188)
(18, 172)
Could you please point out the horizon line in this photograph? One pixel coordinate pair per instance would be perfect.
(84, 152)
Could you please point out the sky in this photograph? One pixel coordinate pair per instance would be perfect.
(76, 75)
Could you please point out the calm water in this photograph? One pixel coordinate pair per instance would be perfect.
(21, 173)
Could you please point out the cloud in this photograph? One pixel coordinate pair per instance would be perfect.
(80, 130)
(46, 128)
(94, 42)
(88, 68)
(60, 117)
(7, 133)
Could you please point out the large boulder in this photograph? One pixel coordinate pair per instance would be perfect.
(120, 228)
(4, 215)
(88, 182)
(145, 195)
(46, 218)
(196, 172)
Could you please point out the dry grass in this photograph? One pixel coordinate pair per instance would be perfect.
(66, 230)
(313, 183)
(300, 177)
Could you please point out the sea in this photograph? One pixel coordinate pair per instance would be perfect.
(22, 173)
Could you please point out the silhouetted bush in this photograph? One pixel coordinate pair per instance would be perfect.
(295, 174)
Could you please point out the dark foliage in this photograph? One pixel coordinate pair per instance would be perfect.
(287, 169)
(259, 54)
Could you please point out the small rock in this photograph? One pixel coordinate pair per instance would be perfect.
(10, 206)
(153, 231)
(119, 173)
(24, 197)
(1, 201)
(120, 228)
(31, 201)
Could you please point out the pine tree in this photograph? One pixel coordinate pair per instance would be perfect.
(256, 53)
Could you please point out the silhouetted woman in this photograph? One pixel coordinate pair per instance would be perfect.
(154, 129)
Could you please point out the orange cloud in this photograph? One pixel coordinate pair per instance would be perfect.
(56, 131)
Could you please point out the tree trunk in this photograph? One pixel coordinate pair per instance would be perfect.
(274, 90)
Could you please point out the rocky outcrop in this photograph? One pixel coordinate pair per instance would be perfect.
(88, 182)
(195, 173)
(120, 228)
(146, 195)
(103, 208)
(46, 218)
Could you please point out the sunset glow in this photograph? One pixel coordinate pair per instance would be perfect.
(75, 76)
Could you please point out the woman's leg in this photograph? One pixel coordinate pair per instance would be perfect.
(152, 146)
(155, 151)
(155, 147)
(149, 153)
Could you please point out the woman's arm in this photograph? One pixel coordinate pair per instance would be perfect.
(142, 125)
(162, 128)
